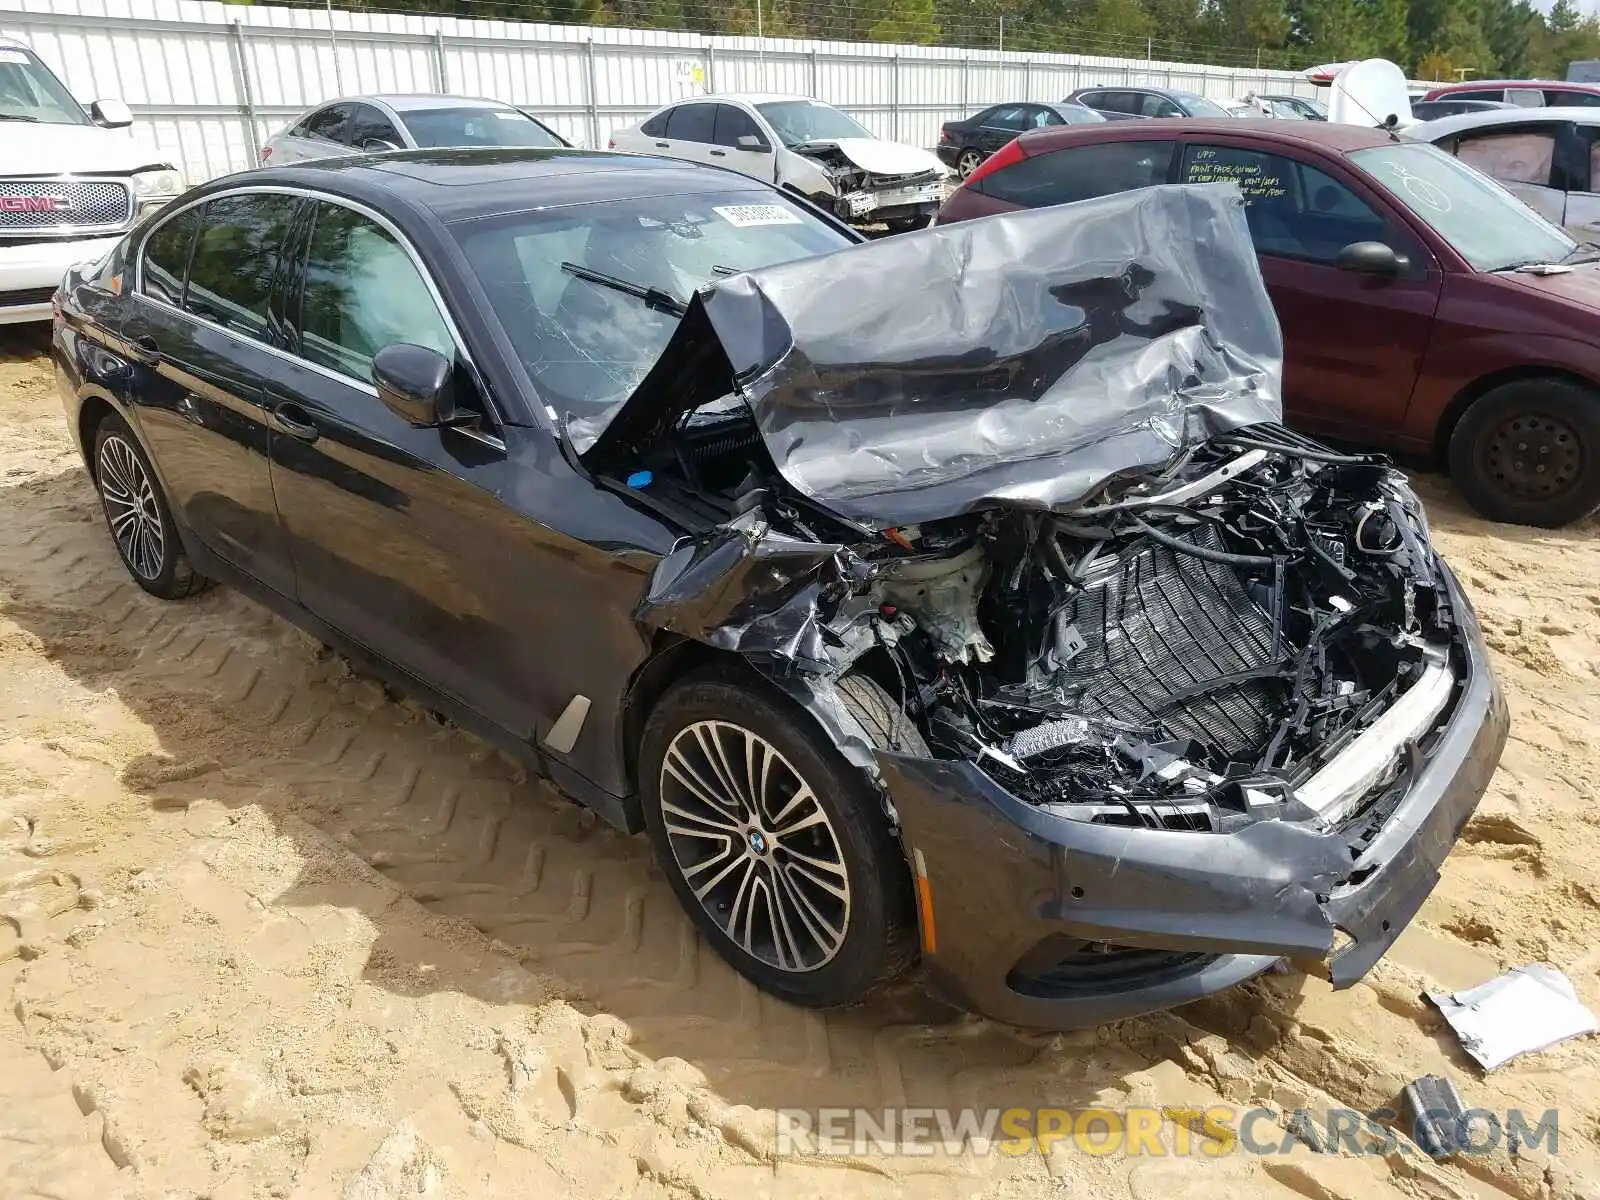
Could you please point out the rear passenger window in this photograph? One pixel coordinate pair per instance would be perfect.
(656, 126)
(363, 292)
(1574, 99)
(166, 257)
(235, 259)
(1079, 173)
(1516, 156)
(329, 124)
(692, 123)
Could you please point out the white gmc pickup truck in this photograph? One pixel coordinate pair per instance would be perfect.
(71, 182)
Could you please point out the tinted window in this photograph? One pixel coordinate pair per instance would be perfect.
(1580, 99)
(1092, 99)
(734, 123)
(328, 123)
(1481, 94)
(1080, 173)
(1123, 102)
(477, 127)
(367, 124)
(692, 123)
(1152, 105)
(166, 257)
(362, 292)
(1294, 209)
(1009, 117)
(235, 258)
(656, 126)
(586, 345)
(1512, 156)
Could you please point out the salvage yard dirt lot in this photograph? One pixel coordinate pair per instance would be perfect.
(266, 930)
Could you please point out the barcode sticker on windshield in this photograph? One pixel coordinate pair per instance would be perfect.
(502, 115)
(744, 215)
(13, 56)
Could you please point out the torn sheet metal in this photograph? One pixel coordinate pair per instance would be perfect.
(746, 588)
(1027, 357)
(1526, 1009)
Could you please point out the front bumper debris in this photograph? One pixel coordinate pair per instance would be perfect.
(1215, 909)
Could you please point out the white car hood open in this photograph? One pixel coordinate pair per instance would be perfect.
(41, 149)
(884, 158)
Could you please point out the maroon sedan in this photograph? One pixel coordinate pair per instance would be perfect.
(1423, 307)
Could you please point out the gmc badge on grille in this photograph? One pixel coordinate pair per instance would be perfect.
(35, 204)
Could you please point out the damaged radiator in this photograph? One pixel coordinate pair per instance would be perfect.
(1159, 636)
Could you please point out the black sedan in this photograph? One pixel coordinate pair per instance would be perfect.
(964, 145)
(634, 468)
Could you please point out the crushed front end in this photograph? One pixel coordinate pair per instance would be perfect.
(1178, 692)
(863, 197)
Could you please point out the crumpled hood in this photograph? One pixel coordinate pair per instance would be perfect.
(882, 158)
(1025, 358)
(40, 149)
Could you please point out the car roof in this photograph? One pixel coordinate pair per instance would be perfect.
(1134, 87)
(1468, 85)
(749, 98)
(415, 101)
(457, 185)
(1462, 122)
(1328, 135)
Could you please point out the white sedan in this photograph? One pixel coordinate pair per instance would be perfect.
(368, 124)
(803, 145)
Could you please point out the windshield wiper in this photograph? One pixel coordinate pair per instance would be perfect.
(18, 117)
(1583, 252)
(653, 297)
(1533, 266)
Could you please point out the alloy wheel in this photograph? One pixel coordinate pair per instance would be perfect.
(755, 846)
(969, 162)
(130, 503)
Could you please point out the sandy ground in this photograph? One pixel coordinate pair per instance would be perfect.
(267, 931)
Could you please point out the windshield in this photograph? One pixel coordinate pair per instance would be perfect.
(552, 276)
(798, 121)
(29, 92)
(444, 128)
(1199, 106)
(1486, 224)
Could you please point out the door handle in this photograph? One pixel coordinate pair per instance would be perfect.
(663, 145)
(719, 154)
(145, 349)
(289, 418)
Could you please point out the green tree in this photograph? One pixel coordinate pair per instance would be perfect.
(908, 21)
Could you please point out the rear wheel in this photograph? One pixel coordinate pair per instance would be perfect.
(776, 846)
(1528, 453)
(137, 514)
(968, 162)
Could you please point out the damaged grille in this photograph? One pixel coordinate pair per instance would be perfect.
(1173, 639)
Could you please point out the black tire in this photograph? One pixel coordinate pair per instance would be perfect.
(968, 161)
(876, 938)
(137, 515)
(906, 224)
(1528, 453)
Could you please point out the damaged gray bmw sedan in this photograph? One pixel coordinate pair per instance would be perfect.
(957, 597)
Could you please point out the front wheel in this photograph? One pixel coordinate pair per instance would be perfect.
(137, 515)
(1528, 453)
(778, 849)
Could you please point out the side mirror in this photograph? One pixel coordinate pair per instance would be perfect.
(749, 141)
(111, 114)
(416, 383)
(1369, 258)
(378, 145)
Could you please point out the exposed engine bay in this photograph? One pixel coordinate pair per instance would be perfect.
(1182, 650)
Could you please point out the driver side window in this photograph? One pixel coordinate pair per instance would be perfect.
(362, 292)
